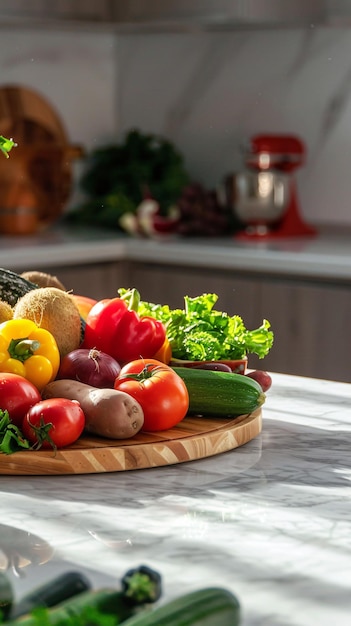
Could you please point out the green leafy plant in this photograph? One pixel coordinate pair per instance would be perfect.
(119, 176)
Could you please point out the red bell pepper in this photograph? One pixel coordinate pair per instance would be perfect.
(114, 326)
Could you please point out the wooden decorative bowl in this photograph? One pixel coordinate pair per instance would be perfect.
(36, 181)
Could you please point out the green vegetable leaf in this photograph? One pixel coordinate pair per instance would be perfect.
(259, 340)
(11, 438)
(200, 333)
(6, 145)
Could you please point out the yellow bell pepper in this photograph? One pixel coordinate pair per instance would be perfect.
(29, 351)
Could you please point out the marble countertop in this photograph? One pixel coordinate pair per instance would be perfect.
(271, 521)
(326, 256)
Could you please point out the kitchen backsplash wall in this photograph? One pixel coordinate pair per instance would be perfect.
(76, 72)
(208, 92)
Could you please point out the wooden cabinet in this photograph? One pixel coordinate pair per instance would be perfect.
(22, 8)
(312, 328)
(97, 280)
(81, 10)
(169, 284)
(310, 320)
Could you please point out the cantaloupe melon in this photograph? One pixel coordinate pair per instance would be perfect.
(54, 310)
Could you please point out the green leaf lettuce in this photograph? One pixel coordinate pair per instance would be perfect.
(201, 333)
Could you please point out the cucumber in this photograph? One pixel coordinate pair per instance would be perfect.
(220, 394)
(6, 596)
(13, 286)
(206, 607)
(86, 609)
(140, 586)
(51, 593)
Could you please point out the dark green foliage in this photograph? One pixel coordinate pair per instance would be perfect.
(119, 176)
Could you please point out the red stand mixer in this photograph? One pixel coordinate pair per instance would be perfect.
(264, 196)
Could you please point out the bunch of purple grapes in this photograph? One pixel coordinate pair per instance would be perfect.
(201, 213)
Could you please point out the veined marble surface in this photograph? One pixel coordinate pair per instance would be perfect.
(270, 521)
(211, 92)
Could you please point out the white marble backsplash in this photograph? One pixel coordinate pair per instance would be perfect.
(208, 92)
(75, 72)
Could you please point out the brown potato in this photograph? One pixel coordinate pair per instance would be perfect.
(108, 412)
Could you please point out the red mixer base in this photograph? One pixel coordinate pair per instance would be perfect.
(283, 230)
(291, 225)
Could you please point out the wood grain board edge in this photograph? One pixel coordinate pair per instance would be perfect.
(195, 438)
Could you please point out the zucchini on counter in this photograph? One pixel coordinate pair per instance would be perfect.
(69, 601)
(220, 393)
(205, 607)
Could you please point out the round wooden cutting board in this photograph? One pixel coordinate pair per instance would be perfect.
(194, 438)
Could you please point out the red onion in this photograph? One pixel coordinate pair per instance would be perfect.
(90, 366)
(262, 378)
(215, 365)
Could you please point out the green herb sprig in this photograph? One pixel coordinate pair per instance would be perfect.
(11, 438)
(6, 145)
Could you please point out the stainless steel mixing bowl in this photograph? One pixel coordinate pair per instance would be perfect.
(258, 197)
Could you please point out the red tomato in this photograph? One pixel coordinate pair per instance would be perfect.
(17, 396)
(54, 423)
(160, 391)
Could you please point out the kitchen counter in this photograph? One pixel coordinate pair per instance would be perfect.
(270, 521)
(326, 256)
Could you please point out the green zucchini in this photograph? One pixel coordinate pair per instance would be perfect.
(64, 587)
(206, 607)
(140, 586)
(13, 286)
(6, 596)
(220, 394)
(88, 608)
